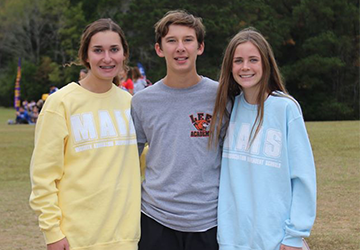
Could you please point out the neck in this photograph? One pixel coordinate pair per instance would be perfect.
(95, 85)
(251, 97)
(181, 80)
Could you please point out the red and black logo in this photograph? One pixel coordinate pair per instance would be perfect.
(202, 124)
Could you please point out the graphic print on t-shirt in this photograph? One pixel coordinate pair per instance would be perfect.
(201, 122)
(108, 132)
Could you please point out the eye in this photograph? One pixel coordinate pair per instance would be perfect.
(254, 60)
(97, 50)
(238, 60)
(189, 39)
(171, 40)
(114, 50)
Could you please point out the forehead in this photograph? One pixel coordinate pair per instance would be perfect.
(246, 49)
(105, 38)
(176, 30)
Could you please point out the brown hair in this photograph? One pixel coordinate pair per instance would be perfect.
(129, 73)
(179, 17)
(136, 73)
(270, 82)
(100, 25)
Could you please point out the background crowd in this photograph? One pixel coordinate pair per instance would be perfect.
(131, 81)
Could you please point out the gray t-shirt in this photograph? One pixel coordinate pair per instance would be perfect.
(180, 190)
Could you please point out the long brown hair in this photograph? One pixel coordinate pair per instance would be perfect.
(270, 82)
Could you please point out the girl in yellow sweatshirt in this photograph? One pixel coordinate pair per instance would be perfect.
(84, 170)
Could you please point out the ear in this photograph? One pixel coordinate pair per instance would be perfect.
(201, 48)
(158, 50)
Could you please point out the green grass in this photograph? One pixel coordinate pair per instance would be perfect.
(336, 150)
(18, 223)
(337, 156)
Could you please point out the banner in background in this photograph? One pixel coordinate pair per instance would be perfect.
(142, 70)
(17, 87)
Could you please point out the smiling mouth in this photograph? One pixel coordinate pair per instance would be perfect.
(246, 76)
(107, 67)
(181, 58)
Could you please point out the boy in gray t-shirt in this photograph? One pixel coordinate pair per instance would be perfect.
(180, 190)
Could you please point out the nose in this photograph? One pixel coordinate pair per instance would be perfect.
(107, 57)
(245, 66)
(180, 47)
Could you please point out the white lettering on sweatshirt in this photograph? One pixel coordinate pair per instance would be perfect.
(108, 132)
(265, 149)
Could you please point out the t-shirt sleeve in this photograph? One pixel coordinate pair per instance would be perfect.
(140, 134)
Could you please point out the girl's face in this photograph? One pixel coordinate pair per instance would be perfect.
(105, 55)
(247, 68)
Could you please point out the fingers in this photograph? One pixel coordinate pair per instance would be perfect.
(283, 247)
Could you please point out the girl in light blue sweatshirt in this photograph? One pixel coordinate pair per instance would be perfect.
(267, 197)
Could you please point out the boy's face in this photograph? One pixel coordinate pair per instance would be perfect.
(180, 49)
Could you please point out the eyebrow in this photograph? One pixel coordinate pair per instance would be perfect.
(174, 36)
(111, 46)
(249, 57)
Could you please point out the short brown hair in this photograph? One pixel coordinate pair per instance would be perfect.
(100, 25)
(179, 17)
(136, 73)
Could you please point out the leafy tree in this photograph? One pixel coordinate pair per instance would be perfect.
(323, 72)
(316, 43)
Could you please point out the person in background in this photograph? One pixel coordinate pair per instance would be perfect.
(22, 116)
(85, 172)
(82, 73)
(25, 105)
(127, 82)
(31, 105)
(53, 89)
(34, 114)
(267, 197)
(139, 81)
(40, 104)
(180, 189)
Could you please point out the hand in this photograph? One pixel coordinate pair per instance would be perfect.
(62, 244)
(283, 247)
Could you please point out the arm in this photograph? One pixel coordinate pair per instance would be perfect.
(59, 245)
(140, 134)
(46, 168)
(303, 181)
(283, 247)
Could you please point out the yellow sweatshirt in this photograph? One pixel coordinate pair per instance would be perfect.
(85, 172)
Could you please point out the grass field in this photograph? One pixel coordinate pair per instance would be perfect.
(337, 155)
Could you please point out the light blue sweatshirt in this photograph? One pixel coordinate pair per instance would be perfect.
(268, 192)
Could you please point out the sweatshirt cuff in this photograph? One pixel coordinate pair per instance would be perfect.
(53, 235)
(292, 241)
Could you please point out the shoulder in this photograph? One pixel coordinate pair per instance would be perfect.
(55, 102)
(209, 86)
(58, 96)
(122, 93)
(147, 92)
(288, 103)
(209, 82)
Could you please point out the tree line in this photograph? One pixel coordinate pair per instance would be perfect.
(316, 43)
